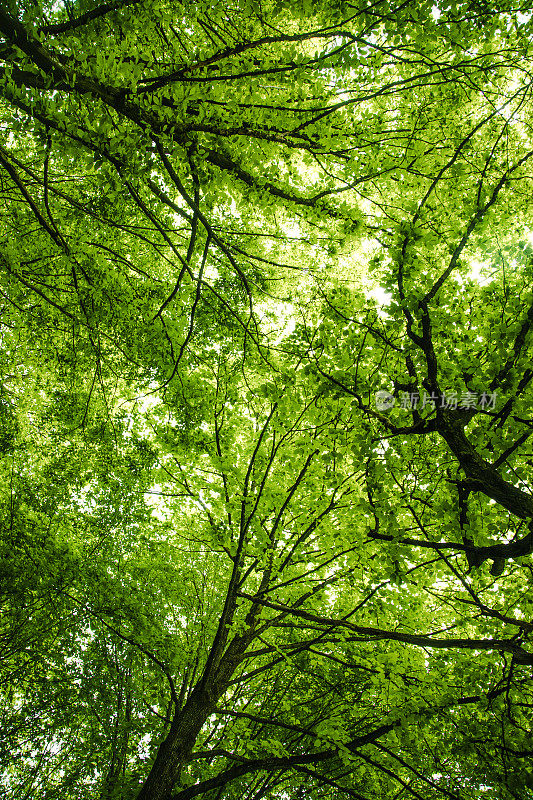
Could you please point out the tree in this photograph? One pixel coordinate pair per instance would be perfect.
(263, 536)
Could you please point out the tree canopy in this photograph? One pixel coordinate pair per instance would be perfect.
(266, 316)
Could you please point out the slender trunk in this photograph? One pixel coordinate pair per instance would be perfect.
(175, 750)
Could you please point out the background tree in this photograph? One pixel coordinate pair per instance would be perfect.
(227, 571)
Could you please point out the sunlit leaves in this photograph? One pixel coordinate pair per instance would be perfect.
(210, 532)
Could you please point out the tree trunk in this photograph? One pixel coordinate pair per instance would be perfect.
(175, 750)
(177, 746)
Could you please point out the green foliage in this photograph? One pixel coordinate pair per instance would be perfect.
(226, 570)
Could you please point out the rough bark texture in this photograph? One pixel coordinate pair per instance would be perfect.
(177, 746)
(175, 750)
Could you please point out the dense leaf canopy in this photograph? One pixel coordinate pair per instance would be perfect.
(266, 312)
